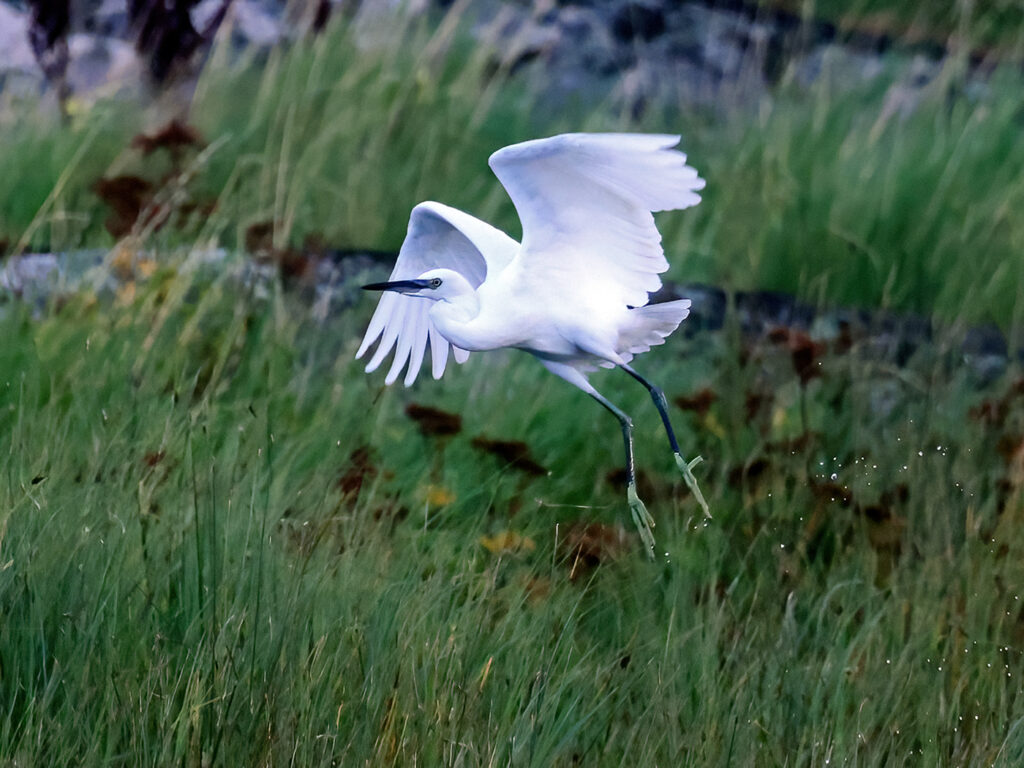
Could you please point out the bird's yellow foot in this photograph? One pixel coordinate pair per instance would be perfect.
(642, 518)
(691, 481)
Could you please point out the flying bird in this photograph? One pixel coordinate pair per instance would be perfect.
(574, 293)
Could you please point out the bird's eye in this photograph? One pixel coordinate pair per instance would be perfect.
(435, 282)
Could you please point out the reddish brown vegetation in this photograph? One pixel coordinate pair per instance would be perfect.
(512, 452)
(587, 545)
(699, 402)
(175, 137)
(434, 421)
(359, 469)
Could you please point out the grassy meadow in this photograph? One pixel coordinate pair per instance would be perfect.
(222, 543)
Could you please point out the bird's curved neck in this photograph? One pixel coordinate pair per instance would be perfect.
(454, 317)
(461, 308)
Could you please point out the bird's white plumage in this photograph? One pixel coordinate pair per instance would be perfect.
(574, 294)
(438, 236)
(585, 202)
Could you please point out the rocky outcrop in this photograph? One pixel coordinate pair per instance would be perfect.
(90, 48)
(640, 52)
(704, 54)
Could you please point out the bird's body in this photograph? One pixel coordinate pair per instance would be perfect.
(516, 311)
(574, 293)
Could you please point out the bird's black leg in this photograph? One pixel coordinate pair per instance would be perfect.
(658, 396)
(642, 518)
(627, 433)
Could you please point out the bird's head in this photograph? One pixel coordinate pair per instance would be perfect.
(435, 284)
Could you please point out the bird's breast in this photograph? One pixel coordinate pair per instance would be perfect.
(476, 333)
(502, 320)
(551, 320)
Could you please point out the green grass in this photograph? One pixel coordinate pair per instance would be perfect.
(46, 199)
(314, 138)
(845, 199)
(980, 25)
(184, 581)
(190, 575)
(319, 138)
(840, 196)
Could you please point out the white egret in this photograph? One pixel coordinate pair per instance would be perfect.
(574, 293)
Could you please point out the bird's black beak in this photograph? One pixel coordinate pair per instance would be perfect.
(398, 285)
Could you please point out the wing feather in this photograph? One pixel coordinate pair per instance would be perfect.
(586, 203)
(419, 348)
(395, 319)
(407, 334)
(438, 236)
(438, 352)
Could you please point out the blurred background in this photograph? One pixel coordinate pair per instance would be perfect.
(222, 543)
(855, 151)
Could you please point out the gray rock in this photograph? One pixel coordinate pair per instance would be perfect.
(638, 54)
(31, 274)
(639, 20)
(708, 306)
(15, 51)
(884, 394)
(838, 67)
(985, 340)
(255, 23)
(204, 12)
(101, 65)
(985, 351)
(36, 278)
(19, 73)
(105, 18)
(96, 62)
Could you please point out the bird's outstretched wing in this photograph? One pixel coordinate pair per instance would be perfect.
(438, 237)
(585, 203)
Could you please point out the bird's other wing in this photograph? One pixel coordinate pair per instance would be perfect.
(585, 203)
(438, 237)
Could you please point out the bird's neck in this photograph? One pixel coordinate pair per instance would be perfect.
(454, 318)
(461, 308)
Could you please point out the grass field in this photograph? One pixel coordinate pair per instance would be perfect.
(982, 26)
(867, 196)
(222, 543)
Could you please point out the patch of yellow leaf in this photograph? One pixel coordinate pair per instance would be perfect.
(507, 541)
(122, 262)
(126, 294)
(486, 672)
(77, 111)
(714, 426)
(438, 496)
(145, 267)
(779, 418)
(89, 300)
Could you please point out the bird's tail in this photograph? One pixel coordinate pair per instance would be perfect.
(650, 325)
